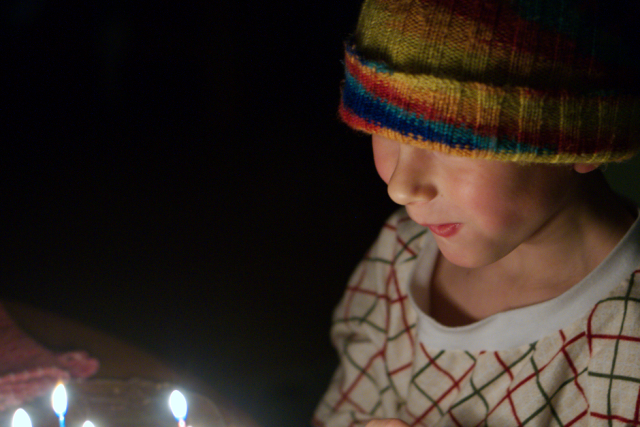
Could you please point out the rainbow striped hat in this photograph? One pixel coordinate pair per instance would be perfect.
(544, 81)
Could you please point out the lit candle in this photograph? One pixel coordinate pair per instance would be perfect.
(21, 419)
(178, 405)
(59, 402)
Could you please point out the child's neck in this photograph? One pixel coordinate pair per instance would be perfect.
(573, 246)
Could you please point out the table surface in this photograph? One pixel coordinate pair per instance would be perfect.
(118, 359)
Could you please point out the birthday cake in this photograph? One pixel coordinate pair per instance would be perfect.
(118, 403)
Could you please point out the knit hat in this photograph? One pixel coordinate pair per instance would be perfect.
(549, 81)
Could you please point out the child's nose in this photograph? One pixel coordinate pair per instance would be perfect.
(411, 181)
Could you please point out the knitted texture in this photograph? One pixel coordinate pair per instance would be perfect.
(534, 81)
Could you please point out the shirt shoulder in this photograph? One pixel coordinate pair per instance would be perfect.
(399, 240)
(617, 317)
(376, 300)
(613, 337)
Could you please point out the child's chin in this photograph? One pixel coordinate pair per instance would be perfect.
(468, 259)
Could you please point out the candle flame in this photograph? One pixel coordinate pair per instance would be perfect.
(59, 400)
(21, 419)
(178, 405)
(88, 424)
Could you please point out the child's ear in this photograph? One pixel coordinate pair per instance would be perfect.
(585, 167)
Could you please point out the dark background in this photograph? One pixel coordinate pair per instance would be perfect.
(175, 174)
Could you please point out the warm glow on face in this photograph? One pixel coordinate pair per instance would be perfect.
(59, 400)
(178, 405)
(21, 419)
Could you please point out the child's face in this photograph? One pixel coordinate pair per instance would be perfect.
(478, 210)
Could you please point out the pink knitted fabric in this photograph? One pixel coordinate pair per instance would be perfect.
(28, 370)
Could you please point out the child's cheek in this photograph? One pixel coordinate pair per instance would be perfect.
(493, 213)
(384, 167)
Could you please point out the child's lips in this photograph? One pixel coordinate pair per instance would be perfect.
(444, 230)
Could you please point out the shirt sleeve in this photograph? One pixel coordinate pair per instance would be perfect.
(373, 332)
(613, 333)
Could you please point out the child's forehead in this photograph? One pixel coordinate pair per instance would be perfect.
(468, 154)
(462, 162)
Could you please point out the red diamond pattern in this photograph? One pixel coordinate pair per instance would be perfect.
(586, 374)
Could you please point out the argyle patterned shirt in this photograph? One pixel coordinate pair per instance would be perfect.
(586, 372)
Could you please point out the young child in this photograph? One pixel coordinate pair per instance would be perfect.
(506, 291)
